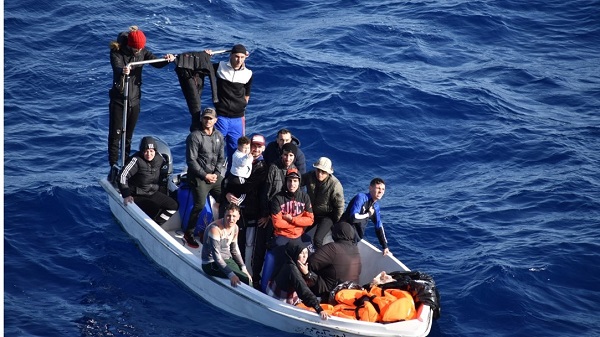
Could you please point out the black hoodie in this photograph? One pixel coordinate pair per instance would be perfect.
(336, 261)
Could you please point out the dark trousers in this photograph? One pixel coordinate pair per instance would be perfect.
(191, 86)
(200, 190)
(323, 225)
(115, 125)
(155, 204)
(262, 237)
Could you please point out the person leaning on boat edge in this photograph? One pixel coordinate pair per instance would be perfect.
(364, 207)
(205, 158)
(221, 255)
(129, 47)
(139, 182)
(234, 83)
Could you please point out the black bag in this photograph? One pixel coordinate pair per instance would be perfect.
(421, 286)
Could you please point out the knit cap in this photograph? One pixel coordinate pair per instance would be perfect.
(148, 143)
(290, 147)
(136, 39)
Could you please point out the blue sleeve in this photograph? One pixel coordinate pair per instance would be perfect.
(377, 217)
(356, 205)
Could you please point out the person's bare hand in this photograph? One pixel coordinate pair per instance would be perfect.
(127, 200)
(235, 280)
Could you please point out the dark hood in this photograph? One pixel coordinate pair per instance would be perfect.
(293, 250)
(343, 231)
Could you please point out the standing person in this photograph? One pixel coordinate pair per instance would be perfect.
(337, 261)
(221, 255)
(364, 207)
(139, 182)
(254, 207)
(275, 149)
(327, 197)
(129, 47)
(205, 159)
(234, 83)
(277, 170)
(290, 283)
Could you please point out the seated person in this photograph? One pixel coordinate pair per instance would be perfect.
(241, 167)
(139, 182)
(290, 283)
(220, 252)
(327, 197)
(337, 261)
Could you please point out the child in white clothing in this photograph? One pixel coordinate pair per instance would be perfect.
(241, 167)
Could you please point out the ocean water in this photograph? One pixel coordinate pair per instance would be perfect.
(482, 117)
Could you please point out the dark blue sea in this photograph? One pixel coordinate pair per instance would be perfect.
(483, 118)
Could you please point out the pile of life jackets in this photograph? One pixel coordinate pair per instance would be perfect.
(374, 305)
(393, 301)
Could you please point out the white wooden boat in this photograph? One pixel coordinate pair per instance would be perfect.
(166, 247)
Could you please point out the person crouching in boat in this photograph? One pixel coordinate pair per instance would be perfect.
(336, 261)
(290, 284)
(139, 182)
(220, 251)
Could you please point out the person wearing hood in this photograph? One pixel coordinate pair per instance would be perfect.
(276, 175)
(129, 47)
(327, 197)
(290, 283)
(337, 261)
(291, 210)
(274, 150)
(140, 179)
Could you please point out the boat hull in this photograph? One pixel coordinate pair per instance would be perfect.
(166, 247)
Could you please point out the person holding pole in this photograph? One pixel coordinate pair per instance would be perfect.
(129, 47)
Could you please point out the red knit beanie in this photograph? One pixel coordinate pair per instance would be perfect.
(136, 39)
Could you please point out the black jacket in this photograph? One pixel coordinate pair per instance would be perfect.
(140, 177)
(336, 261)
(191, 69)
(290, 279)
(273, 153)
(232, 87)
(119, 58)
(255, 204)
